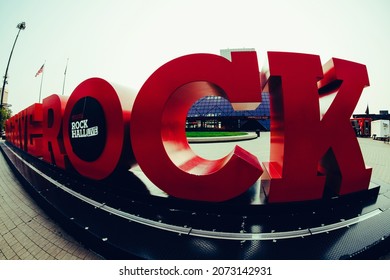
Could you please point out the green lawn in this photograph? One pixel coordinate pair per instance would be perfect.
(213, 133)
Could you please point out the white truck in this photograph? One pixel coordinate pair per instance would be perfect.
(380, 129)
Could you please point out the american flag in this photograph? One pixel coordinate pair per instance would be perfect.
(40, 70)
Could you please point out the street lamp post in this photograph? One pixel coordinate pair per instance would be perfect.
(20, 26)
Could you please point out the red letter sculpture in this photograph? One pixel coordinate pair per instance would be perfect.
(158, 125)
(96, 128)
(53, 143)
(34, 120)
(313, 152)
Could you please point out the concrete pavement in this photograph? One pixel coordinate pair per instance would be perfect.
(26, 232)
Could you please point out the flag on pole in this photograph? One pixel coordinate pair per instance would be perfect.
(40, 70)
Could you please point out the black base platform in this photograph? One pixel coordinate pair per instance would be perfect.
(124, 219)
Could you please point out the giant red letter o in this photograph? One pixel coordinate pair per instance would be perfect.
(96, 126)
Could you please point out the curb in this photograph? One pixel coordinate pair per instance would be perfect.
(249, 136)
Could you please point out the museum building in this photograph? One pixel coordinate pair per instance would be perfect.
(216, 112)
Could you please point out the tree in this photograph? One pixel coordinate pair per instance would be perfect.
(5, 113)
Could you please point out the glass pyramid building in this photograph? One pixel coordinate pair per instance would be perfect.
(216, 112)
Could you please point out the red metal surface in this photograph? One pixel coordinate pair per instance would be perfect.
(161, 147)
(116, 103)
(24, 129)
(34, 133)
(311, 151)
(53, 143)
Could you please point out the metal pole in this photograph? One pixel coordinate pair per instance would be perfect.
(20, 26)
(66, 68)
(40, 88)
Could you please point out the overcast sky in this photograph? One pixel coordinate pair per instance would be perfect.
(125, 41)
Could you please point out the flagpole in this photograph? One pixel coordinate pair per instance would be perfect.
(66, 68)
(40, 89)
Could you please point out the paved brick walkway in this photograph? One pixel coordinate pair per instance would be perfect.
(377, 155)
(26, 232)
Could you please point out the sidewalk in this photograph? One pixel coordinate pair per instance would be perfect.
(26, 232)
(377, 155)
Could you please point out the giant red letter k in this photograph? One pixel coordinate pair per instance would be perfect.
(314, 149)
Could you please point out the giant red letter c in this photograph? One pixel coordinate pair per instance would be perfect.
(158, 125)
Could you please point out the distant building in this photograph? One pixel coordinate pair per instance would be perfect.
(226, 53)
(216, 112)
(383, 115)
(362, 122)
(5, 96)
